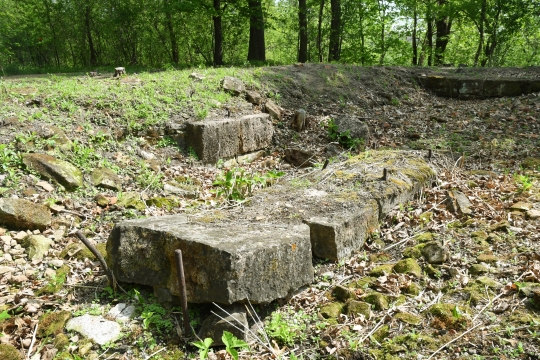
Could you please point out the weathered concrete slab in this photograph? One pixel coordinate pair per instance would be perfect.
(20, 214)
(223, 262)
(474, 88)
(344, 203)
(224, 138)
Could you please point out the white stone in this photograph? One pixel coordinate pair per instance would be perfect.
(20, 235)
(6, 239)
(98, 329)
(8, 258)
(56, 263)
(6, 269)
(122, 312)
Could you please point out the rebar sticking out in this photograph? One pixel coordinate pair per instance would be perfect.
(182, 286)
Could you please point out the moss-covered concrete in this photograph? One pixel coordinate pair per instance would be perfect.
(10, 352)
(408, 318)
(408, 266)
(354, 307)
(382, 270)
(332, 310)
(52, 323)
(378, 300)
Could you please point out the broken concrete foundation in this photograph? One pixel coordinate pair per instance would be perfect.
(263, 250)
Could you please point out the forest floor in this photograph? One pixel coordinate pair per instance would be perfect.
(486, 149)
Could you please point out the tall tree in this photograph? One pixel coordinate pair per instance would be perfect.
(256, 50)
(443, 26)
(335, 30)
(302, 33)
(319, 30)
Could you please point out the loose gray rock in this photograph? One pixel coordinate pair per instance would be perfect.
(122, 312)
(434, 253)
(356, 127)
(271, 108)
(214, 326)
(24, 214)
(233, 85)
(253, 97)
(196, 76)
(6, 270)
(106, 178)
(36, 246)
(100, 330)
(300, 158)
(458, 203)
(188, 194)
(61, 171)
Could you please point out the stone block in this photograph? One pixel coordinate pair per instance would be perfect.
(508, 87)
(224, 138)
(338, 236)
(223, 262)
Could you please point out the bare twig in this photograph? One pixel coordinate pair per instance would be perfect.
(33, 341)
(155, 353)
(451, 341)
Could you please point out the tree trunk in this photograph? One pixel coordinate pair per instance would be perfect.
(335, 27)
(303, 36)
(218, 34)
(93, 55)
(481, 32)
(429, 36)
(414, 44)
(256, 49)
(382, 16)
(172, 35)
(443, 24)
(319, 31)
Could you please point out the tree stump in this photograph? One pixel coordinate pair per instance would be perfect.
(119, 71)
(298, 123)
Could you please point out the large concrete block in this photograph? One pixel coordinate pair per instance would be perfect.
(343, 205)
(223, 263)
(338, 236)
(224, 138)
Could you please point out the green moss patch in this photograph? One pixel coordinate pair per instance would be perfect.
(378, 300)
(9, 352)
(408, 266)
(52, 323)
(382, 270)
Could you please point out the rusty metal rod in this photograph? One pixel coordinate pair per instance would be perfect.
(385, 174)
(97, 254)
(182, 285)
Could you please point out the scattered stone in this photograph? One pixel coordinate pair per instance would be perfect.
(531, 163)
(500, 226)
(17, 279)
(424, 237)
(533, 214)
(10, 352)
(378, 300)
(81, 252)
(214, 326)
(355, 307)
(233, 85)
(56, 263)
(96, 328)
(253, 97)
(414, 252)
(408, 266)
(445, 314)
(45, 185)
(458, 203)
(60, 341)
(36, 246)
(408, 318)
(6, 239)
(432, 271)
(300, 158)
(147, 155)
(489, 282)
(119, 71)
(343, 293)
(487, 258)
(331, 310)
(382, 270)
(23, 214)
(106, 178)
(196, 76)
(356, 127)
(271, 108)
(50, 273)
(412, 289)
(189, 193)
(131, 199)
(122, 312)
(8, 258)
(61, 171)
(521, 206)
(101, 200)
(478, 269)
(6, 270)
(435, 253)
(85, 346)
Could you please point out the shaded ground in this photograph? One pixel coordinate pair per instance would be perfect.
(117, 123)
